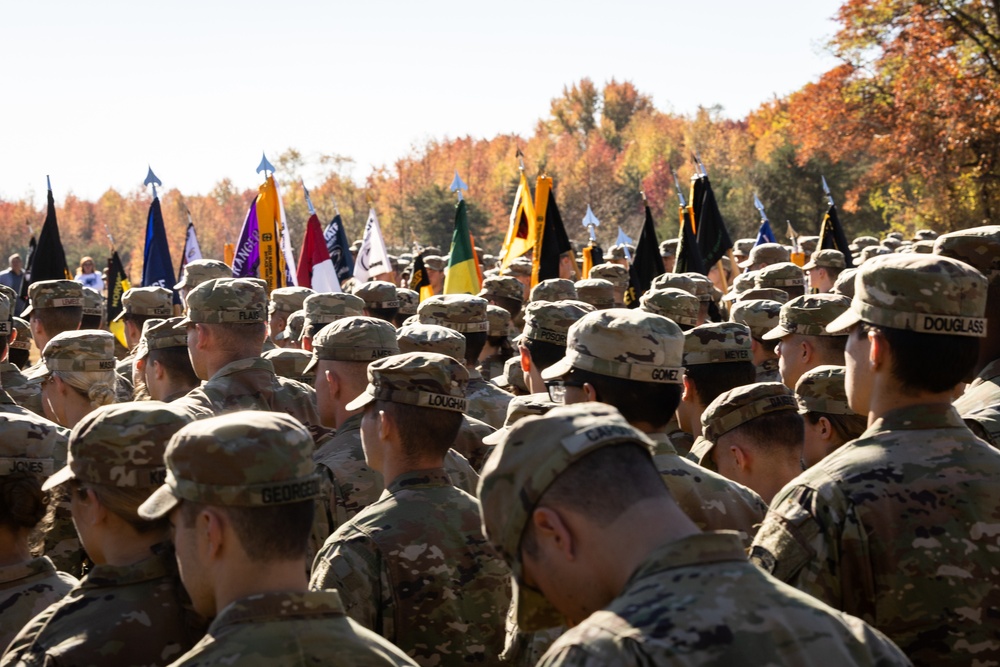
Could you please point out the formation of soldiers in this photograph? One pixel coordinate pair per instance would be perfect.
(773, 464)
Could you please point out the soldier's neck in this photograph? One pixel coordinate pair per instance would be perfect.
(242, 579)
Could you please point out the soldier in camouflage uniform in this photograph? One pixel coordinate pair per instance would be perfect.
(803, 341)
(20, 347)
(784, 276)
(93, 309)
(234, 471)
(55, 306)
(520, 269)
(201, 271)
(637, 580)
(415, 567)
(291, 336)
(822, 270)
(765, 254)
(380, 299)
(553, 289)
(895, 526)
(543, 342)
(467, 315)
(507, 293)
(760, 316)
(131, 608)
(162, 360)
(283, 302)
(617, 275)
(765, 293)
(140, 304)
(512, 379)
(326, 308)
(597, 292)
(674, 304)
(498, 348)
(226, 331)
(829, 420)
(27, 585)
(408, 300)
(291, 363)
(77, 374)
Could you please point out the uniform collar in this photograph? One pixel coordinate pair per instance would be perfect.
(415, 479)
(36, 568)
(284, 606)
(249, 364)
(160, 563)
(917, 417)
(699, 549)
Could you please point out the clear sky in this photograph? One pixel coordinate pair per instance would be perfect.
(96, 91)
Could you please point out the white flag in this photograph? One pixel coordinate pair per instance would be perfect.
(286, 242)
(373, 258)
(192, 250)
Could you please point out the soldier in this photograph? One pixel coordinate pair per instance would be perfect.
(822, 270)
(140, 304)
(77, 375)
(292, 364)
(291, 337)
(467, 315)
(512, 380)
(631, 360)
(633, 575)
(742, 248)
(498, 348)
(768, 294)
(543, 342)
(283, 302)
(380, 299)
(760, 316)
(717, 358)
(163, 360)
(506, 292)
(870, 252)
(130, 609)
(226, 331)
(803, 340)
(520, 269)
(240, 532)
(27, 585)
(764, 255)
(55, 306)
(891, 526)
(668, 253)
(553, 289)
(677, 305)
(597, 292)
(741, 283)
(845, 283)
(415, 566)
(829, 420)
(93, 309)
(325, 308)
(435, 266)
(617, 275)
(753, 435)
(784, 276)
(408, 300)
(20, 346)
(429, 338)
(201, 271)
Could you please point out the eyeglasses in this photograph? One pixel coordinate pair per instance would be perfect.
(557, 390)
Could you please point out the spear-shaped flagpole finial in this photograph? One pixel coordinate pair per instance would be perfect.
(520, 159)
(151, 179)
(760, 207)
(48, 182)
(701, 165)
(264, 165)
(111, 239)
(336, 210)
(368, 198)
(826, 191)
(188, 212)
(457, 185)
(677, 185)
(312, 210)
(590, 221)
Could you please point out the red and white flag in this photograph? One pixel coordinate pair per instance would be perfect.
(315, 268)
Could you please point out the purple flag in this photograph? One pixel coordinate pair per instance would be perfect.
(246, 259)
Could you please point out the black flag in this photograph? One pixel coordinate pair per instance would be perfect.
(48, 260)
(713, 237)
(419, 282)
(831, 235)
(646, 264)
(689, 258)
(555, 241)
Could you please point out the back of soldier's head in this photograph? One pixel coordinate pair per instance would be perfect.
(717, 357)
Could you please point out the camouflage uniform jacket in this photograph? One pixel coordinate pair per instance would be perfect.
(898, 528)
(250, 384)
(768, 371)
(290, 629)
(416, 569)
(124, 366)
(983, 392)
(491, 366)
(681, 440)
(26, 589)
(133, 615)
(487, 402)
(11, 376)
(709, 499)
(985, 423)
(28, 396)
(697, 601)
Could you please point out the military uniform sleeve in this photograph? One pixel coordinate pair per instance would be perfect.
(352, 563)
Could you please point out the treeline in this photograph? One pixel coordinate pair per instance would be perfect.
(906, 131)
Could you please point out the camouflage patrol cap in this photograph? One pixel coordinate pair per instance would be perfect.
(742, 247)
(703, 287)
(512, 376)
(9, 293)
(808, 244)
(24, 336)
(377, 294)
(121, 445)
(768, 253)
(535, 452)
(865, 241)
(781, 275)
(6, 323)
(161, 334)
(622, 343)
(499, 321)
(738, 406)
(978, 247)
(518, 408)
(598, 292)
(925, 235)
(54, 294)
(519, 267)
(84, 350)
(28, 445)
(924, 293)
(549, 321)
(826, 259)
(616, 274)
(872, 251)
(506, 287)
(553, 289)
(244, 459)
(808, 315)
(431, 338)
(147, 302)
(741, 283)
(844, 284)
(894, 235)
(822, 389)
(93, 302)
(768, 293)
(717, 343)
(681, 281)
(408, 300)
(354, 339)
(423, 379)
(202, 270)
(672, 303)
(435, 262)
(891, 242)
(668, 248)
(226, 301)
(326, 307)
(287, 299)
(292, 363)
(293, 327)
(924, 247)
(616, 251)
(759, 315)
(462, 312)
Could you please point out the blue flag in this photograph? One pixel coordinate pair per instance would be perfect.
(157, 268)
(339, 249)
(764, 234)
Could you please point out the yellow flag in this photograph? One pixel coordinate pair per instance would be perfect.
(269, 224)
(523, 230)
